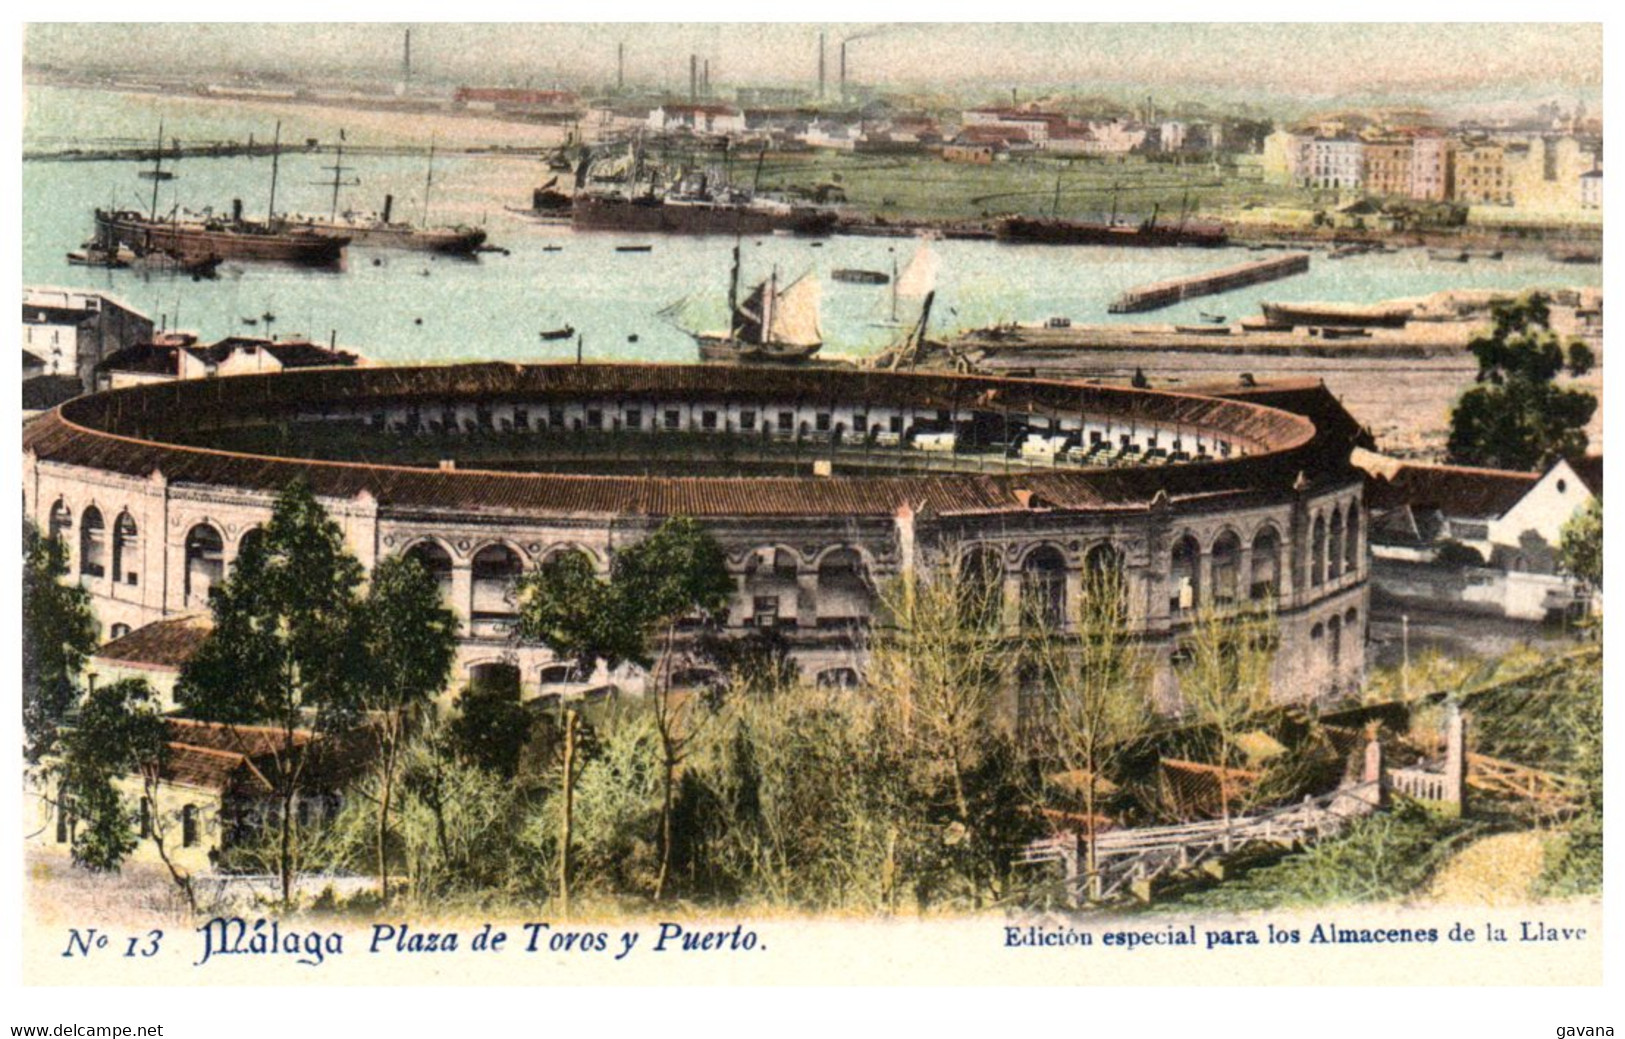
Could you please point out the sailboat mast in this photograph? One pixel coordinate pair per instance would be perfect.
(427, 184)
(733, 293)
(768, 299)
(157, 169)
(276, 154)
(894, 286)
(338, 170)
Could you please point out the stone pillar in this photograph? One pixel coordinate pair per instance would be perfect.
(1012, 600)
(1374, 772)
(807, 598)
(1204, 579)
(1244, 573)
(739, 611)
(462, 593)
(1455, 759)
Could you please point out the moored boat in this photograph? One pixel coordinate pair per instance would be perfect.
(1336, 315)
(770, 324)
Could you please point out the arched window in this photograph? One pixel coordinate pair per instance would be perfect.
(118, 631)
(437, 561)
(1227, 568)
(771, 588)
(495, 678)
(1265, 582)
(496, 573)
(1184, 575)
(1043, 588)
(837, 678)
(981, 586)
(61, 522)
(1334, 640)
(189, 833)
(92, 543)
(126, 546)
(253, 540)
(1351, 541)
(205, 562)
(1334, 551)
(1103, 576)
(1317, 548)
(843, 588)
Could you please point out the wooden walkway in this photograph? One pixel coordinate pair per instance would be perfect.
(1130, 861)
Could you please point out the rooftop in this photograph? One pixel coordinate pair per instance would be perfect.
(1287, 433)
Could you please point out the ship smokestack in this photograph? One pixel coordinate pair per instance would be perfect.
(389, 206)
(820, 66)
(236, 210)
(693, 78)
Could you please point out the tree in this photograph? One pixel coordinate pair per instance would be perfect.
(284, 650)
(1579, 548)
(1516, 417)
(409, 639)
(938, 666)
(676, 573)
(59, 634)
(1224, 680)
(1098, 688)
(116, 733)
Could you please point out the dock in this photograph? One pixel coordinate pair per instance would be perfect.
(1166, 293)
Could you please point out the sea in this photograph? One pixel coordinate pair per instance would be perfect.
(397, 307)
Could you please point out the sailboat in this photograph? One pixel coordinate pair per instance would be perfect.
(915, 281)
(770, 324)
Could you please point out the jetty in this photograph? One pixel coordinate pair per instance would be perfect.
(1166, 293)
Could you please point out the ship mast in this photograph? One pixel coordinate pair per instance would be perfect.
(733, 294)
(768, 299)
(428, 183)
(339, 169)
(276, 154)
(157, 169)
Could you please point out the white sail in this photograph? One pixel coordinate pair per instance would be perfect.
(920, 276)
(794, 320)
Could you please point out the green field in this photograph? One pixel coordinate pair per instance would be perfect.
(926, 187)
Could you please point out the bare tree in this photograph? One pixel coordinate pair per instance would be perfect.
(1096, 688)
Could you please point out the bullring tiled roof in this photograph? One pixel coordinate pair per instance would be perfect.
(1288, 432)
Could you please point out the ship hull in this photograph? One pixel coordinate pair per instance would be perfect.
(1285, 315)
(447, 240)
(728, 349)
(1074, 232)
(192, 243)
(654, 216)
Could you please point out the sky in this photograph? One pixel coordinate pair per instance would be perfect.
(1322, 60)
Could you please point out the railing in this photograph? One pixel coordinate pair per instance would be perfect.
(1418, 783)
(1124, 858)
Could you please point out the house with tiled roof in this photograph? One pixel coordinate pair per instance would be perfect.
(154, 653)
(1424, 515)
(181, 357)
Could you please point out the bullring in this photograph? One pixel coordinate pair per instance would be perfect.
(820, 484)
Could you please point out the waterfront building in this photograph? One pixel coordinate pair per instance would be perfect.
(178, 356)
(699, 119)
(1337, 163)
(1286, 158)
(1390, 168)
(1481, 175)
(1543, 173)
(72, 330)
(1244, 495)
(1433, 167)
(1591, 189)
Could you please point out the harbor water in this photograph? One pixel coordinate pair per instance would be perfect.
(405, 307)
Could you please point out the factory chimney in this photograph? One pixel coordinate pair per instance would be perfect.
(693, 78)
(820, 66)
(705, 79)
(620, 67)
(843, 72)
(406, 64)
